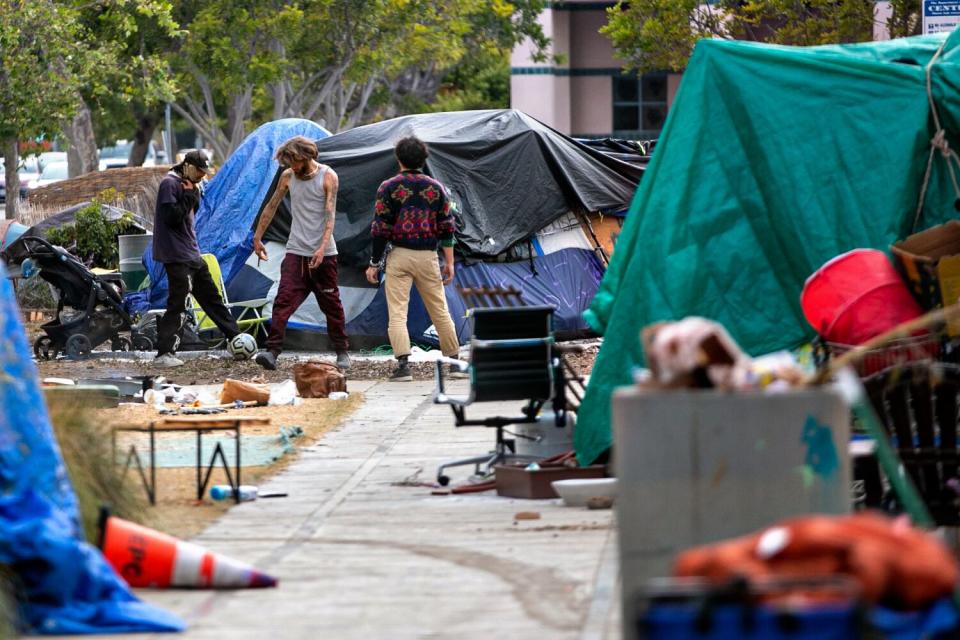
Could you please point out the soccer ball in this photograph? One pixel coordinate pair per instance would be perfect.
(242, 346)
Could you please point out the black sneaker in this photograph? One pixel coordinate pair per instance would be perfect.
(402, 374)
(267, 360)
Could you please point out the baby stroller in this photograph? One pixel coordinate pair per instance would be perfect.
(99, 315)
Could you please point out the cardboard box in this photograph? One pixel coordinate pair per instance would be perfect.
(516, 482)
(930, 263)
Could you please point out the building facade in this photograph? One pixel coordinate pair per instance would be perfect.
(587, 95)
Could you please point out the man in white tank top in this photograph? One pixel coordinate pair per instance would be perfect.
(310, 264)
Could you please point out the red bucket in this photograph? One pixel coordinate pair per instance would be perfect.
(856, 296)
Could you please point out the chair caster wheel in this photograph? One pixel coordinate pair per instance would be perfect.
(443, 480)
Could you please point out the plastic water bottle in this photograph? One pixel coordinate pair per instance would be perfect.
(248, 492)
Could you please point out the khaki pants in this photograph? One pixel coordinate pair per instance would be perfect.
(422, 268)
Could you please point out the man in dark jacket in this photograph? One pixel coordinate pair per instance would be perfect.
(175, 246)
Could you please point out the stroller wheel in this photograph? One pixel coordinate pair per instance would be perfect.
(142, 343)
(41, 348)
(121, 343)
(78, 346)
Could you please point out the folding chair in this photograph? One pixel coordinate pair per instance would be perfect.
(512, 357)
(247, 314)
(249, 318)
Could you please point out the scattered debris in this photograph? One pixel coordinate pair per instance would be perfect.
(699, 353)
(600, 502)
(527, 515)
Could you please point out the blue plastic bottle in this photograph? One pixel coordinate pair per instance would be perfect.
(248, 492)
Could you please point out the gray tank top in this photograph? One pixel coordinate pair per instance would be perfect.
(309, 217)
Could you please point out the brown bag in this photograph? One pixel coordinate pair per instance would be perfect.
(318, 379)
(244, 391)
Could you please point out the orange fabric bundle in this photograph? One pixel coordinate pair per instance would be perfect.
(894, 563)
(244, 391)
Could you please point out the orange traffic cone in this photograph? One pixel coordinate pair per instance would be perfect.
(147, 558)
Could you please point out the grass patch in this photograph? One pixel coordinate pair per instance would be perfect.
(86, 446)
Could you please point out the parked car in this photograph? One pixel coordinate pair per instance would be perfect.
(48, 157)
(52, 172)
(29, 170)
(118, 155)
(3, 189)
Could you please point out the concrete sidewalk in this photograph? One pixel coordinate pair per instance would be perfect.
(360, 553)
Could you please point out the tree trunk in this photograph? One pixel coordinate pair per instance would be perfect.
(146, 125)
(82, 154)
(11, 159)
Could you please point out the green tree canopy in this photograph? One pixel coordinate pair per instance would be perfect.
(41, 69)
(656, 35)
(333, 61)
(39, 72)
(128, 97)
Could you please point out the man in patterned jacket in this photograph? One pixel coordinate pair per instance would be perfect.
(413, 214)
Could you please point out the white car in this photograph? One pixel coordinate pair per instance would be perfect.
(52, 172)
(48, 157)
(119, 154)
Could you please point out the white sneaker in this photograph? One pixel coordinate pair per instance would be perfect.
(454, 373)
(167, 360)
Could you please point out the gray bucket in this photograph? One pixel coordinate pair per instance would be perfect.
(548, 439)
(134, 246)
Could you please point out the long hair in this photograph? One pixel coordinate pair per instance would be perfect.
(296, 148)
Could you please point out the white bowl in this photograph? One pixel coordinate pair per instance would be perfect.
(576, 493)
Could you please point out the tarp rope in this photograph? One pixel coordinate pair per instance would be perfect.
(937, 143)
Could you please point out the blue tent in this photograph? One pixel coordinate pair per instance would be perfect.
(66, 584)
(232, 200)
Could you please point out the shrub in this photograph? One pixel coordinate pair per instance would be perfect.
(93, 238)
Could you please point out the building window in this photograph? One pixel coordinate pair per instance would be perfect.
(639, 105)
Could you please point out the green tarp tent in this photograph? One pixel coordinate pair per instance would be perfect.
(773, 160)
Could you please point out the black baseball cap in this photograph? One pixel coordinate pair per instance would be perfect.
(198, 159)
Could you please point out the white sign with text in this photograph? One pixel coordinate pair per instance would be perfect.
(940, 15)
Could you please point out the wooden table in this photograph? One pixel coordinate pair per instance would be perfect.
(200, 425)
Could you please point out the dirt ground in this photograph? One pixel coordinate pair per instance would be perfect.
(178, 512)
(215, 367)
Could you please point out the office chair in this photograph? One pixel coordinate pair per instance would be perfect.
(512, 357)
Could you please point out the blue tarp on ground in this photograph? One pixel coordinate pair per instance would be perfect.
(567, 279)
(67, 586)
(232, 200)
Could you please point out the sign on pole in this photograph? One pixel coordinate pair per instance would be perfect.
(940, 15)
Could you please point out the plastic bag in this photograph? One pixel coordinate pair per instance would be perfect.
(283, 394)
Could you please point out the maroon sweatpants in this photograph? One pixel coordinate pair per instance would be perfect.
(297, 281)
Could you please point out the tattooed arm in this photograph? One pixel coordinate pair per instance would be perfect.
(266, 217)
(330, 185)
